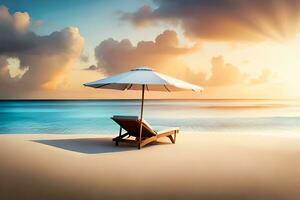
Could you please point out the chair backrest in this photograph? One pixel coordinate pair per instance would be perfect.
(132, 125)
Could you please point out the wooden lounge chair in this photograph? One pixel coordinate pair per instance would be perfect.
(131, 124)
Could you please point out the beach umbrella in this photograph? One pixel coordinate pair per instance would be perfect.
(143, 78)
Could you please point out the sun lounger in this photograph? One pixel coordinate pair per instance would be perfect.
(131, 124)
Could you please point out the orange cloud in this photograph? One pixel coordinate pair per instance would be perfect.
(21, 20)
(263, 77)
(230, 20)
(224, 74)
(164, 55)
(113, 56)
(47, 59)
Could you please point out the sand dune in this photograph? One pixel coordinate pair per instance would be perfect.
(199, 166)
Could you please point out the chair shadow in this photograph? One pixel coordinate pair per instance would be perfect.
(87, 145)
(91, 145)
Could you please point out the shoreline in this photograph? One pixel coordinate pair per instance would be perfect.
(207, 166)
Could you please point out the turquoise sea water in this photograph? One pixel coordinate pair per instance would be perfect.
(230, 116)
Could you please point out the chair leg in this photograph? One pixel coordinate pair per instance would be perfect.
(175, 136)
(139, 146)
(171, 138)
(120, 133)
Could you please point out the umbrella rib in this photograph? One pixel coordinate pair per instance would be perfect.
(103, 85)
(147, 88)
(130, 86)
(167, 88)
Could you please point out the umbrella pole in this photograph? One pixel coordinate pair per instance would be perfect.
(141, 118)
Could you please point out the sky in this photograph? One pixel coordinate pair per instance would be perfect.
(234, 49)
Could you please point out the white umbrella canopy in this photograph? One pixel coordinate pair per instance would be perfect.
(143, 78)
(136, 78)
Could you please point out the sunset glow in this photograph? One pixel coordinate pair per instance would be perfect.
(234, 49)
(149, 99)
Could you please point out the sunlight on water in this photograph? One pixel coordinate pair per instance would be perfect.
(262, 116)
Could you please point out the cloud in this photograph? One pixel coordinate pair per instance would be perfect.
(225, 20)
(263, 77)
(47, 59)
(21, 20)
(141, 17)
(224, 73)
(113, 56)
(84, 58)
(164, 55)
(93, 68)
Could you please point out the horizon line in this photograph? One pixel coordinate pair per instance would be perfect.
(137, 99)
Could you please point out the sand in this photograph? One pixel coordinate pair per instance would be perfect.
(199, 166)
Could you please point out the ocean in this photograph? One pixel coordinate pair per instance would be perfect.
(201, 116)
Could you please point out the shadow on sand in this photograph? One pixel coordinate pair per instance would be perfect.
(91, 145)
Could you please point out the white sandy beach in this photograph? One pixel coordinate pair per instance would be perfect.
(199, 166)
